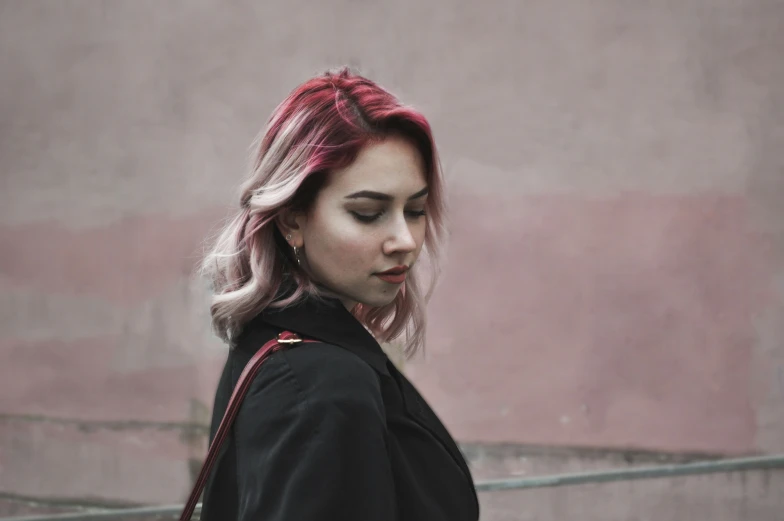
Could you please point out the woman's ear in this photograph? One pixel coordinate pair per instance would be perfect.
(291, 225)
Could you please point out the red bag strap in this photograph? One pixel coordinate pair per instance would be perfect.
(283, 340)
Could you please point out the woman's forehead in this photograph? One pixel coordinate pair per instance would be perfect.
(393, 166)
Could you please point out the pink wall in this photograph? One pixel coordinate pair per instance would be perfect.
(615, 321)
(616, 266)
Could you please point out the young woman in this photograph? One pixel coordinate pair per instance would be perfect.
(345, 193)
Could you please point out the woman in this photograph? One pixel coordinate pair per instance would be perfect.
(345, 192)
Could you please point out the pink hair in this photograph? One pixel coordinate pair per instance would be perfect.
(321, 126)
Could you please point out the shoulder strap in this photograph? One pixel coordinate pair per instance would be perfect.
(240, 390)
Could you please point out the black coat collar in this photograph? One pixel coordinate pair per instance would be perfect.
(329, 321)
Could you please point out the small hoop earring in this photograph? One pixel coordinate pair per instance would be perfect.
(288, 237)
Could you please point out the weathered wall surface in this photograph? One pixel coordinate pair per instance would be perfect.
(616, 265)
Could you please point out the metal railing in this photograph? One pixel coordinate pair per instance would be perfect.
(557, 480)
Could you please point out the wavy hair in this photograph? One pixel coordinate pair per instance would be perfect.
(321, 126)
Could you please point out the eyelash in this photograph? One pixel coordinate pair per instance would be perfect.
(370, 218)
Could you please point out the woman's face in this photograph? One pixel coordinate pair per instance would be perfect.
(367, 219)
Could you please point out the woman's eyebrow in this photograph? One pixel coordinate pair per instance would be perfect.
(379, 196)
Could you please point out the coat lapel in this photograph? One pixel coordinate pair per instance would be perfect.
(418, 409)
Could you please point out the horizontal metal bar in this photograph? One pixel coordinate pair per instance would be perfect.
(93, 425)
(119, 513)
(605, 476)
(658, 471)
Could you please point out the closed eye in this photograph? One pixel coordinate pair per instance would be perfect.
(369, 218)
(365, 218)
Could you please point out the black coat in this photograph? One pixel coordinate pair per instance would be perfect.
(331, 431)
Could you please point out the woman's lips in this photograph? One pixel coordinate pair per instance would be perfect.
(392, 278)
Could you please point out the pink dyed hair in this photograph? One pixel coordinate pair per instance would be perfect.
(321, 126)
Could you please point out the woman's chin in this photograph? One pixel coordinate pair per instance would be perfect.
(377, 300)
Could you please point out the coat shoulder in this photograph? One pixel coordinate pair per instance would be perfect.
(327, 372)
(317, 376)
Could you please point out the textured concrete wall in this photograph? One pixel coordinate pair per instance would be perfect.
(616, 265)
